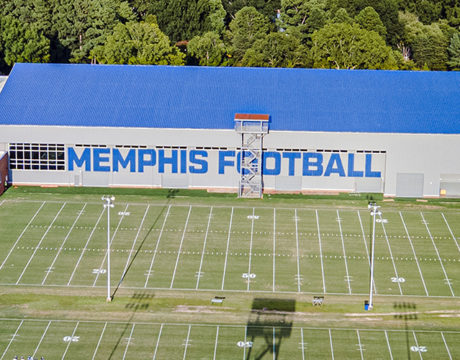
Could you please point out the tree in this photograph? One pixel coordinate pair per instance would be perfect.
(22, 43)
(369, 19)
(454, 52)
(265, 7)
(140, 43)
(276, 50)
(208, 49)
(345, 46)
(248, 26)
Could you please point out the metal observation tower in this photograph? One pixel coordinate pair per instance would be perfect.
(253, 128)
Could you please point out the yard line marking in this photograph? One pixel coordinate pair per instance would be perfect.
(437, 252)
(84, 248)
(134, 244)
(245, 340)
(250, 247)
(22, 233)
(274, 247)
(99, 342)
(388, 344)
(38, 246)
(13, 337)
(365, 245)
(451, 233)
(274, 344)
(416, 344)
(129, 341)
(215, 344)
(391, 254)
(344, 253)
(41, 339)
(180, 246)
(226, 251)
(186, 341)
(320, 251)
(303, 344)
(445, 344)
(330, 340)
(204, 248)
(297, 249)
(68, 344)
(156, 247)
(413, 252)
(1, 203)
(360, 345)
(111, 241)
(63, 243)
(158, 340)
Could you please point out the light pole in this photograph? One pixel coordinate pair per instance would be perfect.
(374, 212)
(108, 203)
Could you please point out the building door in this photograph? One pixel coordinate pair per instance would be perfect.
(409, 185)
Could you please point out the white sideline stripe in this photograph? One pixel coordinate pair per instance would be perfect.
(41, 339)
(388, 344)
(99, 342)
(180, 246)
(330, 340)
(215, 344)
(360, 345)
(437, 253)
(204, 248)
(63, 243)
(111, 241)
(297, 249)
(391, 255)
(344, 253)
(451, 233)
(129, 341)
(68, 344)
(22, 233)
(365, 245)
(84, 248)
(445, 344)
(158, 341)
(123, 274)
(186, 341)
(303, 344)
(274, 344)
(274, 247)
(413, 252)
(39, 243)
(250, 247)
(320, 251)
(416, 344)
(226, 251)
(156, 247)
(11, 341)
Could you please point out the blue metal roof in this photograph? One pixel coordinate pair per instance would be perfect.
(208, 98)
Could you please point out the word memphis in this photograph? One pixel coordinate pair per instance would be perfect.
(224, 161)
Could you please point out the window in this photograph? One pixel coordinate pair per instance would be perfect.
(25, 156)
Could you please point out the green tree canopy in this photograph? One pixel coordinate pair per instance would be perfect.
(208, 49)
(454, 52)
(369, 19)
(141, 43)
(345, 46)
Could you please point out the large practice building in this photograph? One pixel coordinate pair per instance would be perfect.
(248, 130)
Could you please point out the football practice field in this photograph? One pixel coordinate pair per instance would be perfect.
(220, 278)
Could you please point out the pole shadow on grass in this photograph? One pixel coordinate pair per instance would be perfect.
(270, 321)
(139, 301)
(171, 195)
(408, 313)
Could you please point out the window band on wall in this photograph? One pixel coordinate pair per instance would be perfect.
(33, 156)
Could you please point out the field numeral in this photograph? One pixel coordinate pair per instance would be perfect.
(71, 338)
(248, 276)
(99, 271)
(418, 348)
(244, 344)
(398, 279)
(124, 213)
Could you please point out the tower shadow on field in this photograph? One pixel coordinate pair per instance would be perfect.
(270, 321)
(407, 313)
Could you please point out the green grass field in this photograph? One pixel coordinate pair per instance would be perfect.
(171, 255)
